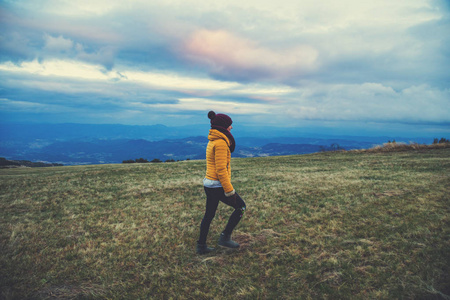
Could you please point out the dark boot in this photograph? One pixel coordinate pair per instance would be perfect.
(225, 241)
(203, 249)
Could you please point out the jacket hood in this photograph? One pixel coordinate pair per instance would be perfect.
(215, 134)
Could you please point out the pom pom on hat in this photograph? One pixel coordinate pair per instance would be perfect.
(211, 115)
(221, 120)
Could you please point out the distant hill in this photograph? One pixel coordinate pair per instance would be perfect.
(74, 144)
(99, 151)
(4, 163)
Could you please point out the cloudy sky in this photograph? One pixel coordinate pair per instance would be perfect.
(381, 64)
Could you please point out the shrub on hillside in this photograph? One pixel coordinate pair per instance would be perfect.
(441, 141)
(137, 160)
(141, 160)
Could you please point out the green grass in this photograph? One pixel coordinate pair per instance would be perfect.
(343, 225)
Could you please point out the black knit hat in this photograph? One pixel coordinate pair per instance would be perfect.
(221, 120)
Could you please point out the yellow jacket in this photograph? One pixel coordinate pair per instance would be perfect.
(218, 157)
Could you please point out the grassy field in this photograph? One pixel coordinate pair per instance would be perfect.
(345, 225)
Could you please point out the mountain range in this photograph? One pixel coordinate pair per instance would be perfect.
(72, 144)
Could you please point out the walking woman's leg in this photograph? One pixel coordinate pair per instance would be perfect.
(236, 216)
(212, 201)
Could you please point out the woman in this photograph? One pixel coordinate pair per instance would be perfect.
(217, 182)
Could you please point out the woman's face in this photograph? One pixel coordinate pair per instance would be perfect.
(229, 128)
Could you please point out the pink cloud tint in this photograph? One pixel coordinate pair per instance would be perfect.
(226, 54)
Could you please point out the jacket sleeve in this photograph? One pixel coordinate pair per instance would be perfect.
(221, 161)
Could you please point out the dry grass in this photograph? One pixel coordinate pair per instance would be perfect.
(346, 225)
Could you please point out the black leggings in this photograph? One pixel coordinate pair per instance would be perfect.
(213, 196)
